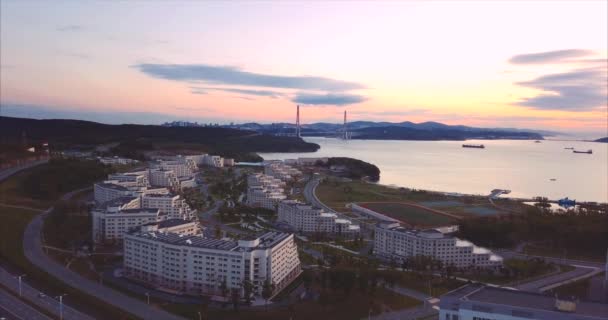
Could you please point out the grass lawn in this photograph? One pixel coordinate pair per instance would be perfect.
(560, 253)
(420, 282)
(12, 193)
(409, 214)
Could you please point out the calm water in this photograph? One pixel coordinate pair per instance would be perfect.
(524, 167)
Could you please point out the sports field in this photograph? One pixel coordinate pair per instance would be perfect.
(410, 214)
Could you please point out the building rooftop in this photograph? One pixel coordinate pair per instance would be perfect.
(521, 303)
(141, 210)
(168, 223)
(112, 186)
(267, 240)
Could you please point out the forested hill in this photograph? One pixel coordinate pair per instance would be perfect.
(440, 133)
(605, 140)
(64, 134)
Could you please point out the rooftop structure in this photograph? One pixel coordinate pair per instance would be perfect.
(476, 301)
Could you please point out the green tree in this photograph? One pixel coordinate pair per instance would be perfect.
(267, 290)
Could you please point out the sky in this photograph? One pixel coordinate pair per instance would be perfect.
(520, 64)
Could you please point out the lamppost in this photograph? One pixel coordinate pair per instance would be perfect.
(147, 297)
(19, 279)
(200, 317)
(60, 297)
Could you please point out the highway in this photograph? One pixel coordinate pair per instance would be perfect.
(13, 308)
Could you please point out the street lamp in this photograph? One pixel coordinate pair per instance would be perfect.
(60, 297)
(200, 317)
(19, 279)
(147, 297)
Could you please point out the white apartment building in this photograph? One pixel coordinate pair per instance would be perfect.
(393, 241)
(186, 182)
(264, 197)
(281, 171)
(228, 162)
(479, 302)
(116, 160)
(304, 218)
(262, 180)
(163, 178)
(119, 216)
(177, 226)
(130, 179)
(174, 206)
(105, 192)
(195, 265)
(182, 167)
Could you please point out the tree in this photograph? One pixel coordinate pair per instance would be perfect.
(267, 290)
(218, 231)
(224, 289)
(235, 299)
(247, 290)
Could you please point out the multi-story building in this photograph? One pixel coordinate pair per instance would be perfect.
(116, 160)
(177, 226)
(393, 241)
(105, 192)
(163, 178)
(182, 167)
(479, 302)
(130, 179)
(119, 216)
(262, 180)
(195, 265)
(281, 171)
(264, 197)
(186, 182)
(304, 218)
(228, 162)
(174, 206)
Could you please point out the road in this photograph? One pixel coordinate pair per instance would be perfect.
(11, 171)
(32, 246)
(13, 308)
(311, 197)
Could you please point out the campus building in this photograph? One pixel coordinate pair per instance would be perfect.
(105, 192)
(163, 178)
(264, 197)
(173, 205)
(119, 216)
(116, 160)
(392, 241)
(282, 171)
(306, 219)
(479, 302)
(192, 264)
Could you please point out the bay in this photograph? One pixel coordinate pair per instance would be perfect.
(522, 166)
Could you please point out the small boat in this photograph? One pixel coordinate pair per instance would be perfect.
(537, 141)
(552, 179)
(569, 148)
(565, 202)
(477, 146)
(587, 152)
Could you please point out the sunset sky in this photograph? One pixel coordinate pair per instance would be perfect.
(490, 64)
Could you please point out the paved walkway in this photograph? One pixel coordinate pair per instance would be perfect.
(17, 309)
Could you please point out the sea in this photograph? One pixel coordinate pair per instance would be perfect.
(527, 168)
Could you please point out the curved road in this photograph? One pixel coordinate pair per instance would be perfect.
(32, 246)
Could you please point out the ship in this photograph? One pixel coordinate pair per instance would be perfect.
(587, 152)
(537, 141)
(478, 146)
(565, 202)
(569, 148)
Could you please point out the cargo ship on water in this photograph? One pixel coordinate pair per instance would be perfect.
(587, 152)
(476, 146)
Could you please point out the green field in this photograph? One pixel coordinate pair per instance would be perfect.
(411, 215)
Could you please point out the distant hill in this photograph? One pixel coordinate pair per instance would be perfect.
(398, 130)
(604, 140)
(135, 139)
(438, 133)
